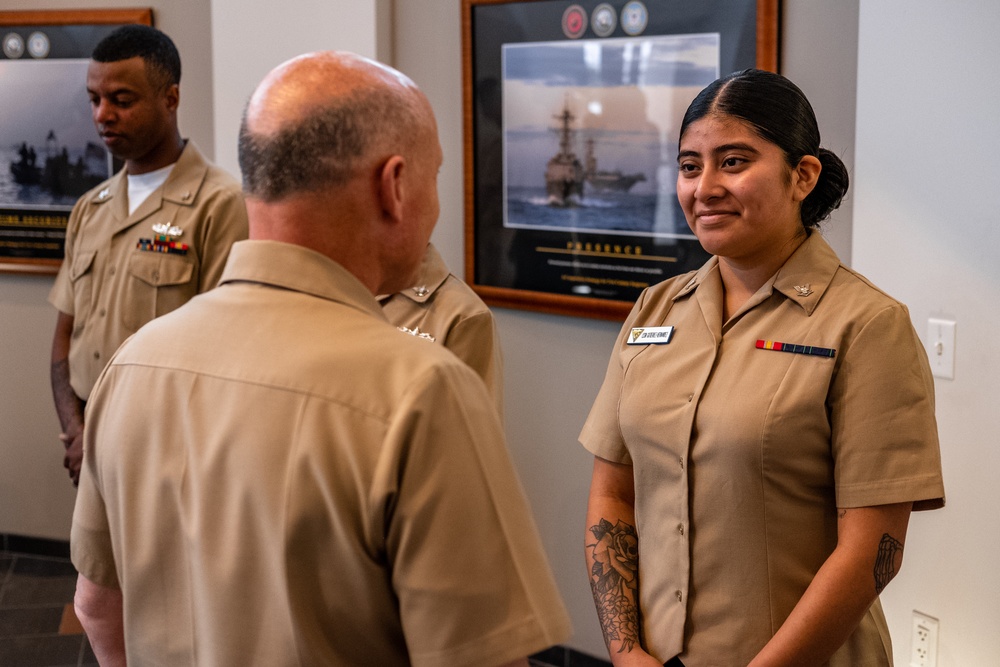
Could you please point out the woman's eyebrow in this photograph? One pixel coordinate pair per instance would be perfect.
(721, 149)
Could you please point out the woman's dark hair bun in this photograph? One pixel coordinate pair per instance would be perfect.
(829, 191)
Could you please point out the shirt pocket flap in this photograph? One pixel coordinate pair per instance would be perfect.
(159, 270)
(81, 264)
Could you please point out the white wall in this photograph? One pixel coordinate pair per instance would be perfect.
(251, 37)
(927, 230)
(819, 47)
(36, 496)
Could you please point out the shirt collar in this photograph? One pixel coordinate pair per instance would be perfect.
(433, 273)
(803, 278)
(296, 268)
(807, 274)
(184, 182)
(181, 187)
(698, 277)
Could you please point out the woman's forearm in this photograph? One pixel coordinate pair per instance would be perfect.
(611, 546)
(868, 554)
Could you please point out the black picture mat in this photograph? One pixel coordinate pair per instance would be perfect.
(519, 259)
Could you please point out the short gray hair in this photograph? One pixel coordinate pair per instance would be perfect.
(324, 148)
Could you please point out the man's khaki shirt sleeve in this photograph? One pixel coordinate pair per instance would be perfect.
(61, 294)
(473, 584)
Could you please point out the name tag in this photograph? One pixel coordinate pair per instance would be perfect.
(650, 335)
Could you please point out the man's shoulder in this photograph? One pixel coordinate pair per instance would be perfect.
(396, 350)
(461, 298)
(100, 193)
(215, 179)
(341, 353)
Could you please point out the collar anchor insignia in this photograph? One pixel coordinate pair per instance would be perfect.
(803, 290)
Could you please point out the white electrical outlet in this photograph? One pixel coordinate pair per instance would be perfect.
(924, 641)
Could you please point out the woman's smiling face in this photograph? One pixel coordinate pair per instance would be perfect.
(740, 197)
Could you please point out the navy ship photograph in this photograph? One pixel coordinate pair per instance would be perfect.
(59, 174)
(564, 173)
(607, 181)
(566, 177)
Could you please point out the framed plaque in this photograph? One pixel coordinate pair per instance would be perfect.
(50, 153)
(572, 113)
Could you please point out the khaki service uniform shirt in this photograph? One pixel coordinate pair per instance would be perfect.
(742, 454)
(263, 496)
(445, 309)
(112, 286)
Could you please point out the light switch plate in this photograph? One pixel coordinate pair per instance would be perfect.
(941, 347)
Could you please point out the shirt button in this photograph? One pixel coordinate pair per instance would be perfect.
(681, 462)
(103, 312)
(97, 355)
(690, 397)
(680, 528)
(679, 596)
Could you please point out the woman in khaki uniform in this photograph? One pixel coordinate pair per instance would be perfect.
(766, 424)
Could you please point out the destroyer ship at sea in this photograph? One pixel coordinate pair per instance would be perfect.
(565, 176)
(564, 173)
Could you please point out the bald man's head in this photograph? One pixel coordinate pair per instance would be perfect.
(318, 120)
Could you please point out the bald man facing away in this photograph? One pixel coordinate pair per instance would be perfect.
(255, 494)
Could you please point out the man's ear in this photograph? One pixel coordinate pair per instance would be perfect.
(173, 96)
(391, 187)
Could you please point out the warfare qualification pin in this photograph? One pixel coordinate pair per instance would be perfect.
(167, 229)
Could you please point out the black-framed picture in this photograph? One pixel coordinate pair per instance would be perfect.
(572, 114)
(50, 153)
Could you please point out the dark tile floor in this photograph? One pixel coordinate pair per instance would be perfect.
(559, 656)
(37, 624)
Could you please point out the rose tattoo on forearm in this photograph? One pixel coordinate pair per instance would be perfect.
(614, 580)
